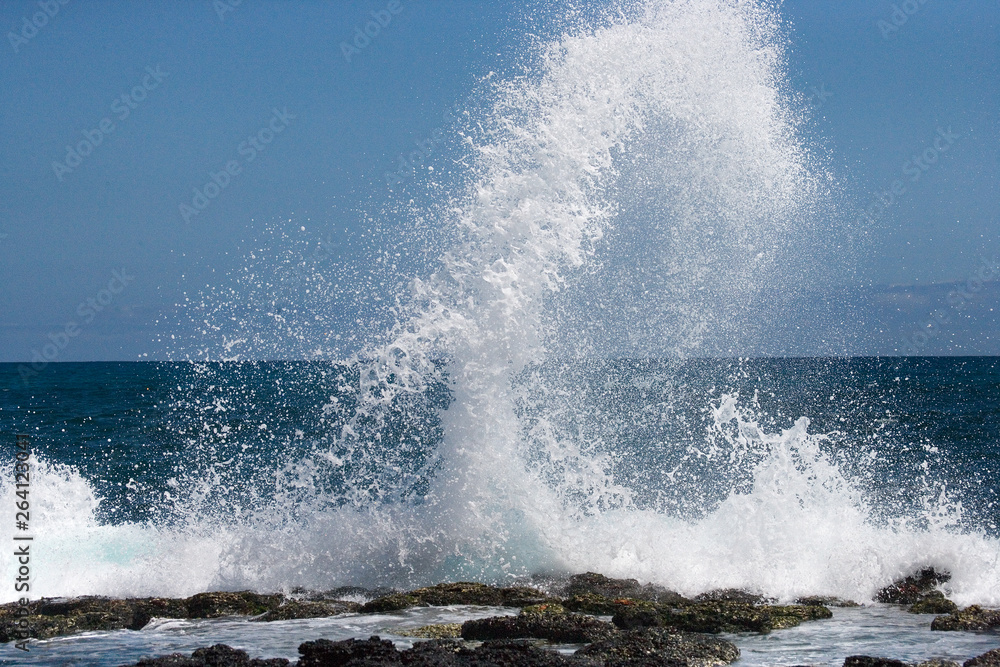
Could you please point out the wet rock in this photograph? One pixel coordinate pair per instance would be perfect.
(715, 617)
(515, 654)
(988, 659)
(733, 595)
(591, 603)
(393, 602)
(664, 646)
(938, 662)
(869, 661)
(933, 603)
(304, 609)
(490, 654)
(53, 617)
(243, 603)
(970, 619)
(219, 655)
(600, 586)
(565, 628)
(457, 593)
(433, 631)
(435, 653)
(546, 608)
(826, 601)
(910, 589)
(326, 653)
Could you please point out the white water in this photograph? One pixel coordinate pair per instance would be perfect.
(680, 104)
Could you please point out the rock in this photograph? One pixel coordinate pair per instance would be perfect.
(589, 603)
(826, 601)
(434, 631)
(593, 584)
(910, 589)
(733, 595)
(564, 628)
(219, 655)
(664, 646)
(988, 659)
(458, 593)
(53, 617)
(933, 603)
(490, 654)
(515, 654)
(715, 617)
(388, 603)
(243, 603)
(547, 608)
(972, 619)
(868, 661)
(295, 609)
(326, 653)
(938, 662)
(435, 653)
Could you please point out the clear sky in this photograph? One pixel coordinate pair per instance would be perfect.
(300, 133)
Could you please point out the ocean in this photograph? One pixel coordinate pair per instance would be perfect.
(556, 387)
(787, 477)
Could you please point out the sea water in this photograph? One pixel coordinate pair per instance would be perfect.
(536, 399)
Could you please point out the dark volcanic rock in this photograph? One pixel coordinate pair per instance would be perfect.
(596, 586)
(933, 603)
(56, 617)
(972, 618)
(988, 659)
(715, 617)
(219, 655)
(556, 627)
(910, 589)
(514, 654)
(435, 653)
(868, 661)
(458, 593)
(490, 654)
(826, 601)
(243, 603)
(591, 603)
(304, 609)
(733, 595)
(326, 653)
(664, 646)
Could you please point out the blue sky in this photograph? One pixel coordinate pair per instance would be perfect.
(206, 89)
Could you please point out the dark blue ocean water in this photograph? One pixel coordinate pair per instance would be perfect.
(895, 425)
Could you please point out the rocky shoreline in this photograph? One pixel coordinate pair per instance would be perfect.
(649, 625)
